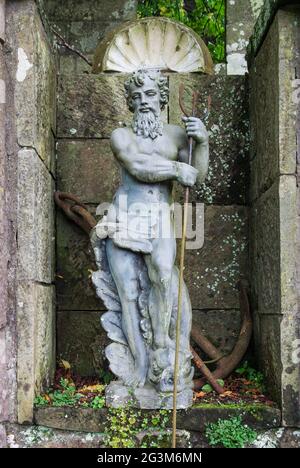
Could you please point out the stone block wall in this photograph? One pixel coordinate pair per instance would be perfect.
(274, 199)
(30, 166)
(4, 240)
(89, 108)
(240, 19)
(83, 24)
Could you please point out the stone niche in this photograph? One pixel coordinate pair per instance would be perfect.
(85, 166)
(61, 140)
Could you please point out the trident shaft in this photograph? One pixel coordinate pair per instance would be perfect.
(182, 254)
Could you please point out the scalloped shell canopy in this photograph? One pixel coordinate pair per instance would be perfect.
(153, 43)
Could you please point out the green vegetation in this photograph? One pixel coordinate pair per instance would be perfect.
(68, 395)
(207, 388)
(124, 425)
(230, 433)
(105, 376)
(205, 17)
(255, 377)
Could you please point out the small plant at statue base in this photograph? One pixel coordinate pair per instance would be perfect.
(124, 425)
(230, 433)
(68, 396)
(98, 402)
(40, 401)
(251, 374)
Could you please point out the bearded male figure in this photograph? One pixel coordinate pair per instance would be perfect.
(137, 258)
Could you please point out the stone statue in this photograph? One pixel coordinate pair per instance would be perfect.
(137, 279)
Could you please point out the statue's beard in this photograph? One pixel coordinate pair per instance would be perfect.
(147, 124)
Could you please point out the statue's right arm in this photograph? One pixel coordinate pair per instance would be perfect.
(144, 167)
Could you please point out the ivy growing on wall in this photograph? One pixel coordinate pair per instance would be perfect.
(205, 17)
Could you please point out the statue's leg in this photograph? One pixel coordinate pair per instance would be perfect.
(160, 267)
(123, 267)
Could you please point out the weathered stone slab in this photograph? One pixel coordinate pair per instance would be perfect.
(289, 50)
(82, 117)
(277, 343)
(264, 20)
(273, 244)
(258, 416)
(87, 420)
(228, 126)
(240, 19)
(87, 10)
(35, 219)
(2, 20)
(75, 260)
(267, 341)
(3, 443)
(69, 63)
(290, 358)
(72, 419)
(36, 343)
(3, 380)
(84, 23)
(79, 116)
(45, 437)
(273, 105)
(35, 80)
(87, 169)
(221, 327)
(212, 272)
(265, 252)
(81, 341)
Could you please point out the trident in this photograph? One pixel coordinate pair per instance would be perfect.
(182, 253)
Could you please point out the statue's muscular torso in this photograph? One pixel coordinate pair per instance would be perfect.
(170, 146)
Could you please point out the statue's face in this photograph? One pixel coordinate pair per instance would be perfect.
(146, 98)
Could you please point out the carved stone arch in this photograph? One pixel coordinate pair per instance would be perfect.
(153, 42)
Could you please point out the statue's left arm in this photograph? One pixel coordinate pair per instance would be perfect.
(196, 129)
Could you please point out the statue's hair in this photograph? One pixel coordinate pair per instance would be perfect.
(138, 78)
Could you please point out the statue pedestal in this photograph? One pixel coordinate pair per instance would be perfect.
(118, 395)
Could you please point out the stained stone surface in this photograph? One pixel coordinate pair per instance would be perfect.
(221, 327)
(265, 252)
(193, 419)
(81, 341)
(35, 331)
(228, 126)
(273, 106)
(274, 225)
(266, 17)
(240, 20)
(118, 396)
(94, 161)
(46, 437)
(83, 23)
(75, 262)
(79, 116)
(35, 219)
(212, 272)
(35, 76)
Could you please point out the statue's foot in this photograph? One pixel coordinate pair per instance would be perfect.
(138, 378)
